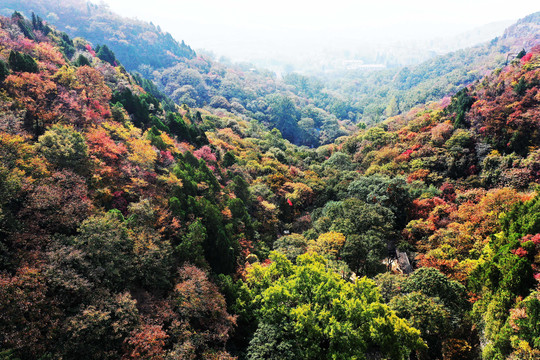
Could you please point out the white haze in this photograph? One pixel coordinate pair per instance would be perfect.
(304, 32)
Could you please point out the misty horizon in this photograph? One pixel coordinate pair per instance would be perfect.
(298, 33)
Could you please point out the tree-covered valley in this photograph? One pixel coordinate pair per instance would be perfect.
(158, 204)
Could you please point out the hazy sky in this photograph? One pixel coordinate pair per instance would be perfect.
(240, 27)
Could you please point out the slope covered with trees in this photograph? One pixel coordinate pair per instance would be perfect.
(308, 111)
(117, 216)
(378, 95)
(135, 228)
(135, 42)
(187, 78)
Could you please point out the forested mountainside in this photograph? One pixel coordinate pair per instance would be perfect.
(381, 94)
(307, 110)
(135, 42)
(135, 228)
(196, 81)
(126, 229)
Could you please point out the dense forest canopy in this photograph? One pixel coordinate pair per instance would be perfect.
(172, 214)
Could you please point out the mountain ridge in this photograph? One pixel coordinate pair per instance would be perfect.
(136, 42)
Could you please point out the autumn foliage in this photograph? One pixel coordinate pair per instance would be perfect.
(132, 227)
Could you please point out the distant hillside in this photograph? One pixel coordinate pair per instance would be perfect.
(188, 79)
(526, 30)
(378, 95)
(134, 42)
(307, 110)
(471, 37)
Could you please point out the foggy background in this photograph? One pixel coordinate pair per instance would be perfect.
(321, 36)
